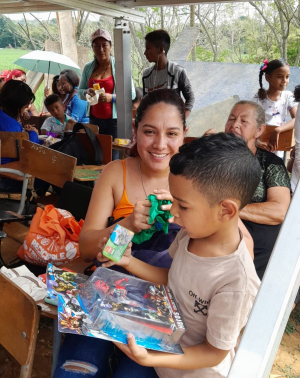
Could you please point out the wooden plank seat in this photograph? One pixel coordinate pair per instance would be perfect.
(285, 141)
(19, 318)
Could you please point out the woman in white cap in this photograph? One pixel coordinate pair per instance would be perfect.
(101, 71)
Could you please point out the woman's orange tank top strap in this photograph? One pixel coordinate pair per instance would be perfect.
(124, 207)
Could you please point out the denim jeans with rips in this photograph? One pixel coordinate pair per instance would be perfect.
(85, 357)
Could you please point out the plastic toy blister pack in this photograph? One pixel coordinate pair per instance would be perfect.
(110, 304)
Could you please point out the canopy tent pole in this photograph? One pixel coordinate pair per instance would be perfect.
(122, 48)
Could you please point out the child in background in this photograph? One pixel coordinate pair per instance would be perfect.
(59, 122)
(276, 101)
(3, 75)
(212, 274)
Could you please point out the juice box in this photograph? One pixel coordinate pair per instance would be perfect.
(96, 86)
(117, 243)
(122, 142)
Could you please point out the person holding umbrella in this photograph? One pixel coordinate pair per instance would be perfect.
(101, 71)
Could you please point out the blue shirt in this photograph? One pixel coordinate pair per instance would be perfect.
(8, 123)
(76, 109)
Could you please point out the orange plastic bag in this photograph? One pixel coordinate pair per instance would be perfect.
(52, 237)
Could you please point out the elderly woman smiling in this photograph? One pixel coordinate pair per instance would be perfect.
(264, 215)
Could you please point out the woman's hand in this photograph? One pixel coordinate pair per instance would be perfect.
(209, 132)
(274, 139)
(90, 92)
(46, 91)
(31, 128)
(70, 124)
(138, 220)
(105, 97)
(26, 115)
(164, 194)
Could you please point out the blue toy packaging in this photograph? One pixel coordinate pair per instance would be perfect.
(110, 304)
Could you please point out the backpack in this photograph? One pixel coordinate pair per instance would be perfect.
(73, 146)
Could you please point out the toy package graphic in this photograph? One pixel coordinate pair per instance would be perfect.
(110, 304)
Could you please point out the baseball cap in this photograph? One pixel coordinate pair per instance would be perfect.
(101, 33)
(4, 73)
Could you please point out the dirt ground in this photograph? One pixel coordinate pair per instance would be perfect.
(286, 364)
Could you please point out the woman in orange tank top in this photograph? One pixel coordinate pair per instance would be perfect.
(123, 186)
(120, 192)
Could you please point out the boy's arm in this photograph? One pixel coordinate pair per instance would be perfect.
(195, 357)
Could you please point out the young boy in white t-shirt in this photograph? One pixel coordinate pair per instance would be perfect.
(59, 122)
(212, 274)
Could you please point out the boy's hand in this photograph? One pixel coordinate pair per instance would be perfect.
(138, 354)
(106, 263)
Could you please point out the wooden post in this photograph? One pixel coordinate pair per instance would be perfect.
(66, 35)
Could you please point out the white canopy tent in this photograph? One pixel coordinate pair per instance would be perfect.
(271, 311)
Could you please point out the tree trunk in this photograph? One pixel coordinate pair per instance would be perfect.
(162, 22)
(66, 35)
(138, 46)
(192, 24)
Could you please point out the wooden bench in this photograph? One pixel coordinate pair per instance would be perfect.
(11, 143)
(19, 317)
(286, 139)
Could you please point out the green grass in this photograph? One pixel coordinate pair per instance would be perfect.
(7, 57)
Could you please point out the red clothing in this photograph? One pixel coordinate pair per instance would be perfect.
(102, 110)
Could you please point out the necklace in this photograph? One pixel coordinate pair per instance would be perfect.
(103, 72)
(143, 180)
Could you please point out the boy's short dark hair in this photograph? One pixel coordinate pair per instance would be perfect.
(51, 99)
(220, 166)
(159, 38)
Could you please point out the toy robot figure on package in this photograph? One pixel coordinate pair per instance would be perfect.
(110, 304)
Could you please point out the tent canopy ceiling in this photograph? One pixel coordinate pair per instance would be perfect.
(124, 9)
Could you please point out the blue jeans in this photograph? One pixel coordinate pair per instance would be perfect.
(96, 358)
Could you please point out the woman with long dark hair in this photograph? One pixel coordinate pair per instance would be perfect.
(15, 97)
(120, 193)
(20, 75)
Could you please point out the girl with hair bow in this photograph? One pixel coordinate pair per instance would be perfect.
(275, 100)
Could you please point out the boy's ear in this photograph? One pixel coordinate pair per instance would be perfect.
(228, 210)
